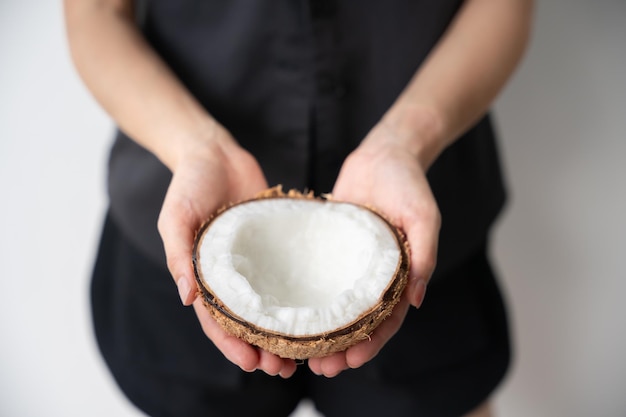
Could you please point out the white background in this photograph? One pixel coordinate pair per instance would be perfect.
(561, 245)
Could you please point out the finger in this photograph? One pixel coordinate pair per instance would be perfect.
(289, 368)
(235, 350)
(334, 364)
(315, 365)
(269, 363)
(274, 365)
(329, 366)
(177, 226)
(422, 231)
(365, 351)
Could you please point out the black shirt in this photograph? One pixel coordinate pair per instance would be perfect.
(299, 84)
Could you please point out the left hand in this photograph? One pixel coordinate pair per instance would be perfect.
(382, 173)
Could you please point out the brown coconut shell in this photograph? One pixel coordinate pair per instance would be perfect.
(303, 347)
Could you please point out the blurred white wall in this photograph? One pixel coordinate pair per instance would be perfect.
(560, 245)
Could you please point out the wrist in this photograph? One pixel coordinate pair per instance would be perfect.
(207, 139)
(417, 130)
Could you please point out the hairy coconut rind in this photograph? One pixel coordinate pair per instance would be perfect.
(317, 345)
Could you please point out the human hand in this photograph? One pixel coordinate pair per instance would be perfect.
(206, 176)
(384, 174)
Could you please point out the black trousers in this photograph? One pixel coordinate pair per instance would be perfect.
(446, 359)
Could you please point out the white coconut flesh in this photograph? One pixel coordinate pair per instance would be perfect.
(298, 267)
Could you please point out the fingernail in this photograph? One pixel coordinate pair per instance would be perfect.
(183, 290)
(253, 369)
(419, 292)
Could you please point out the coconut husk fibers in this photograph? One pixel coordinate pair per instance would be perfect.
(303, 347)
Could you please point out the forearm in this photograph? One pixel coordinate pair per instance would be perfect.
(132, 83)
(461, 77)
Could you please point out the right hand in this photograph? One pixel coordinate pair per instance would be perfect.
(206, 176)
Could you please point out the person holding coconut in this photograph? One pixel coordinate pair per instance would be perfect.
(380, 103)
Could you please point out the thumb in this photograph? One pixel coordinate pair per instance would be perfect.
(177, 226)
(423, 236)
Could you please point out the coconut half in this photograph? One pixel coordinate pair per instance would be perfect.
(300, 276)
